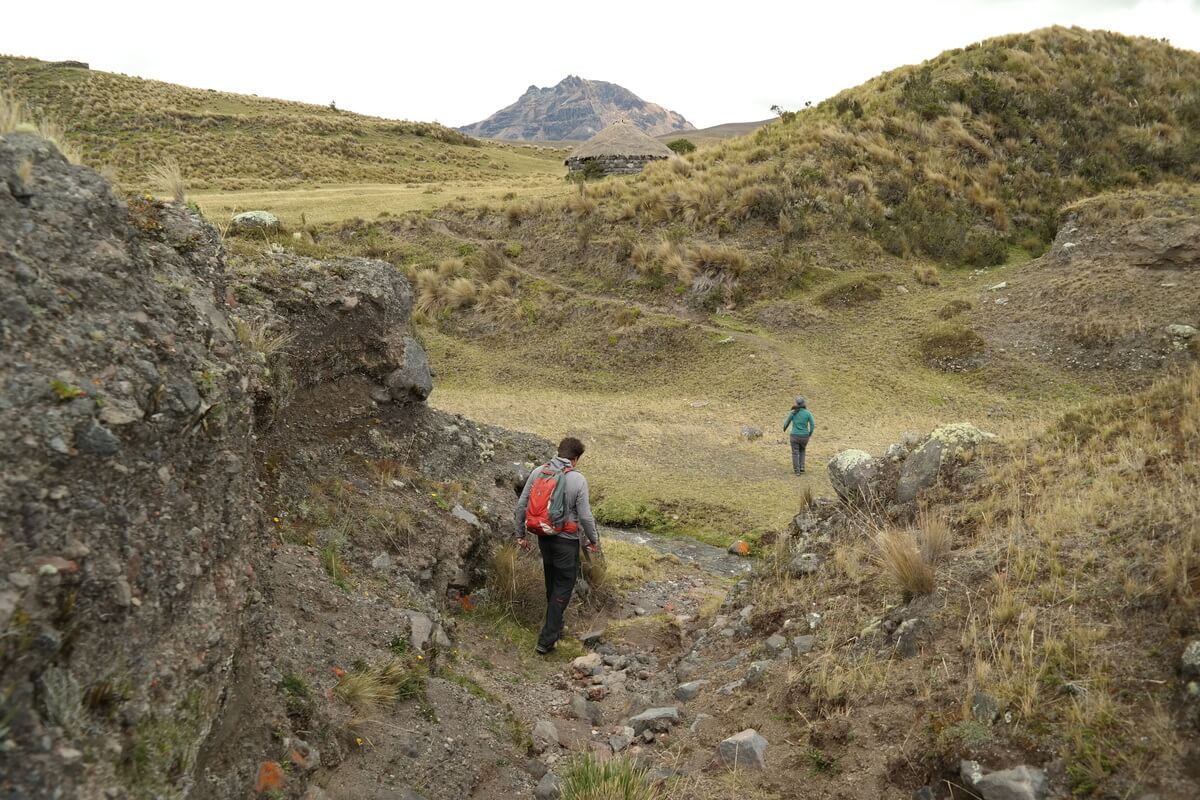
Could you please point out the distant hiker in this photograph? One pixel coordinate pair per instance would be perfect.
(801, 421)
(553, 506)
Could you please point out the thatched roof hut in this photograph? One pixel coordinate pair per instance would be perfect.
(619, 149)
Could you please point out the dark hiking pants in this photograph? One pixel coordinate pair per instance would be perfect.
(798, 445)
(560, 562)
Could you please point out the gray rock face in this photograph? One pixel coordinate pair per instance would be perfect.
(776, 643)
(1189, 663)
(420, 630)
(852, 473)
(655, 719)
(745, 750)
(255, 221)
(413, 380)
(458, 512)
(575, 109)
(102, 315)
(757, 671)
(688, 691)
(921, 468)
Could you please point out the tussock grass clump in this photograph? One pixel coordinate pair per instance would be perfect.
(953, 309)
(587, 778)
(906, 561)
(950, 342)
(927, 276)
(517, 585)
(167, 177)
(852, 290)
(367, 689)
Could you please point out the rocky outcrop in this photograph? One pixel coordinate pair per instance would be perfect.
(161, 415)
(128, 492)
(907, 468)
(575, 109)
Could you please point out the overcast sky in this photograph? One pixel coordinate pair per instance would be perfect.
(457, 62)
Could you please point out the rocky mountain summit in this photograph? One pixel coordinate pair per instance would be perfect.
(575, 109)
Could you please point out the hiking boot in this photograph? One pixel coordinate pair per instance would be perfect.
(542, 651)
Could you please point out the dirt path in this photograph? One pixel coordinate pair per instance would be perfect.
(640, 639)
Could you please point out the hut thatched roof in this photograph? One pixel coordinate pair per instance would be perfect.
(620, 139)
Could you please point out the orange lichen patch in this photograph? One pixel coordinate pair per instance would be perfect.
(741, 548)
(270, 777)
(338, 671)
(467, 602)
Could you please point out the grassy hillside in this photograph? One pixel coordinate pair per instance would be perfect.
(225, 141)
(954, 160)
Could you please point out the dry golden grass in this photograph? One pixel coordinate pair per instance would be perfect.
(167, 177)
(905, 561)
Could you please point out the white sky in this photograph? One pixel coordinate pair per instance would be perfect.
(459, 61)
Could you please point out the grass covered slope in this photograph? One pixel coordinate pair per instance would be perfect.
(1055, 595)
(956, 159)
(229, 141)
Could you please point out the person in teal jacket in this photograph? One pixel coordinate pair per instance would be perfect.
(801, 421)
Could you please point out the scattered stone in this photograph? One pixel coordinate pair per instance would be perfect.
(657, 719)
(924, 793)
(97, 440)
(998, 287)
(909, 636)
(648, 736)
(727, 340)
(756, 673)
(732, 687)
(970, 772)
(638, 611)
(1190, 662)
(699, 723)
(459, 512)
(698, 403)
(803, 644)
(592, 637)
(255, 221)
(751, 434)
(804, 564)
(548, 788)
(382, 562)
(420, 629)
(545, 735)
(590, 664)
(1018, 783)
(587, 710)
(1181, 331)
(619, 741)
(985, 708)
(688, 691)
(744, 750)
(440, 639)
(776, 644)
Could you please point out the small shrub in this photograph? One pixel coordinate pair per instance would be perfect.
(367, 689)
(950, 342)
(927, 276)
(681, 146)
(513, 250)
(851, 290)
(953, 309)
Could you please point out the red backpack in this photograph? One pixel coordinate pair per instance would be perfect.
(546, 514)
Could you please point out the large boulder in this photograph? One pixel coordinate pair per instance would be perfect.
(255, 221)
(943, 447)
(854, 474)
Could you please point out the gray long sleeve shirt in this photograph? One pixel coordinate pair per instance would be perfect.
(579, 509)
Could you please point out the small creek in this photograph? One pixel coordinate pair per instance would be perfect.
(709, 558)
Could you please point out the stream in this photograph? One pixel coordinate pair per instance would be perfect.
(708, 557)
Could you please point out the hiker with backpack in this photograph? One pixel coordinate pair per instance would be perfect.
(553, 507)
(801, 421)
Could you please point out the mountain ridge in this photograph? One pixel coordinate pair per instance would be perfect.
(574, 109)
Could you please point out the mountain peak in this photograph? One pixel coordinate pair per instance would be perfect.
(575, 109)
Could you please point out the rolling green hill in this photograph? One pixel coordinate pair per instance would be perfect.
(229, 142)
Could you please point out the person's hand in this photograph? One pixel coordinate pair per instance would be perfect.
(523, 543)
(592, 547)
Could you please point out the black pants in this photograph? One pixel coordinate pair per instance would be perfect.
(799, 444)
(560, 562)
